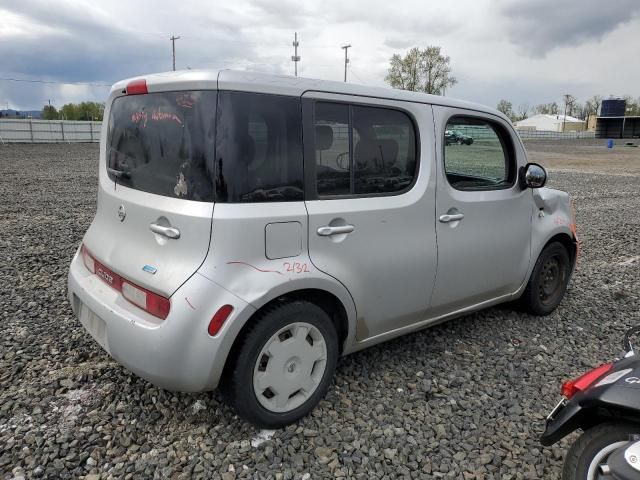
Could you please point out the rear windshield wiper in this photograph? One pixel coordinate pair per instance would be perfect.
(118, 173)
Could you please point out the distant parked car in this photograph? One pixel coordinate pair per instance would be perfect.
(456, 136)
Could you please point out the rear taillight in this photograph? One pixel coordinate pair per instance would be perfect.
(580, 384)
(137, 87)
(149, 301)
(155, 304)
(87, 259)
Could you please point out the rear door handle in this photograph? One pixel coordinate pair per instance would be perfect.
(327, 231)
(169, 232)
(451, 217)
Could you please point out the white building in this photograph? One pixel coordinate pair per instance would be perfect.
(551, 123)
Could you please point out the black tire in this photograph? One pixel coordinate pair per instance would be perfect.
(590, 443)
(548, 282)
(239, 391)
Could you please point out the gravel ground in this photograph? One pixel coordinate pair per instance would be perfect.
(462, 400)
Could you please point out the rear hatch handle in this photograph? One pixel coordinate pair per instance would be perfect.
(169, 232)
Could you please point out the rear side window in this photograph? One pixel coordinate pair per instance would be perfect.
(258, 148)
(163, 143)
(332, 149)
(478, 155)
(363, 150)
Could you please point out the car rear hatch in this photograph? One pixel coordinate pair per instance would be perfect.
(155, 200)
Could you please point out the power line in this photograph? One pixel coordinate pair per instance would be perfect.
(354, 72)
(8, 79)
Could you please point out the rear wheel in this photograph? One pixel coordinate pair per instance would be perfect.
(588, 456)
(548, 282)
(284, 364)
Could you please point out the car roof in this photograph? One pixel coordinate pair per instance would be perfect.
(286, 85)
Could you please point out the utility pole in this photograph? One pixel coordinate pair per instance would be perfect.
(567, 100)
(346, 59)
(295, 58)
(173, 39)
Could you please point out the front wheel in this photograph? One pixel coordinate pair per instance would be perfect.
(548, 281)
(284, 364)
(588, 456)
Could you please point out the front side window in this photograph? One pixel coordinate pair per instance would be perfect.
(478, 155)
(258, 148)
(363, 150)
(163, 143)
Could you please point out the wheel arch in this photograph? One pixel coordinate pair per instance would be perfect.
(341, 312)
(562, 235)
(569, 243)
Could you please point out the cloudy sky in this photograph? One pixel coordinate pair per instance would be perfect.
(524, 51)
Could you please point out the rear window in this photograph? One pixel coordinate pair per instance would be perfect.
(258, 148)
(163, 143)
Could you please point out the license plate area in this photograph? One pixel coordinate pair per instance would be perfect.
(95, 325)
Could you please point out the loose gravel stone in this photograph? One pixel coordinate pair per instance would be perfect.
(465, 399)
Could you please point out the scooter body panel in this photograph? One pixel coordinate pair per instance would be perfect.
(613, 397)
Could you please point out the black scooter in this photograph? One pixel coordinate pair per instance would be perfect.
(605, 404)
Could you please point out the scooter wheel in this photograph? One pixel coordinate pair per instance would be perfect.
(592, 449)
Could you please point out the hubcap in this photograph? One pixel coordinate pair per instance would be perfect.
(598, 465)
(290, 367)
(552, 277)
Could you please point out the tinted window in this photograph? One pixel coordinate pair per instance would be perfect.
(258, 148)
(163, 143)
(384, 154)
(333, 164)
(477, 155)
(363, 150)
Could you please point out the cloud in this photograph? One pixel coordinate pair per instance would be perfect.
(88, 41)
(545, 25)
(88, 45)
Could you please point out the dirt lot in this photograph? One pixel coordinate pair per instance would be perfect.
(462, 400)
(586, 156)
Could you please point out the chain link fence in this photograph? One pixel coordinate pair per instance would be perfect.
(48, 131)
(68, 131)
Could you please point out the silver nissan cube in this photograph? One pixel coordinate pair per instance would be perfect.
(251, 229)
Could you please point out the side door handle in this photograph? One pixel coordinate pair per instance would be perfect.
(169, 232)
(327, 231)
(451, 217)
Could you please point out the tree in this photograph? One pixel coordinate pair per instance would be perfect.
(49, 112)
(523, 111)
(69, 111)
(82, 111)
(419, 70)
(505, 107)
(632, 106)
(592, 106)
(548, 108)
(569, 102)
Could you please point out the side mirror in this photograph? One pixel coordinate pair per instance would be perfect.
(533, 175)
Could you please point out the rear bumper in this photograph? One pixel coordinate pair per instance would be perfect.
(176, 353)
